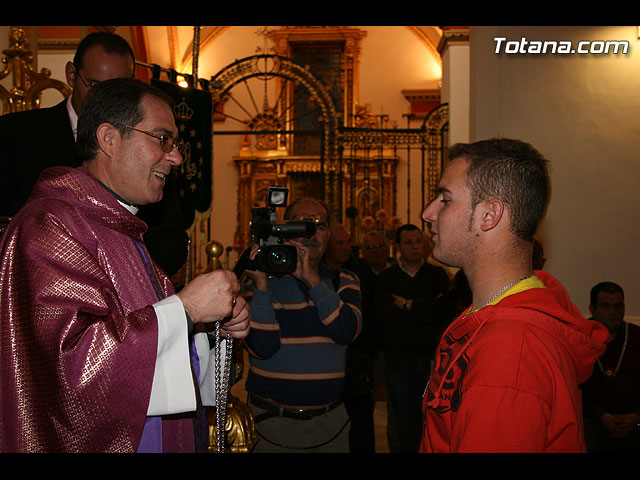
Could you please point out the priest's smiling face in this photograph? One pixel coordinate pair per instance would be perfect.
(139, 166)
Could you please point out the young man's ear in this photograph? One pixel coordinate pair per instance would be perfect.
(492, 212)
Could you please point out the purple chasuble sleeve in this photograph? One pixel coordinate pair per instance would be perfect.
(78, 330)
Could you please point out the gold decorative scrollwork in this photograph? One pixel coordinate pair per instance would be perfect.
(28, 85)
(240, 429)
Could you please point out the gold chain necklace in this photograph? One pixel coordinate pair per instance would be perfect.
(503, 289)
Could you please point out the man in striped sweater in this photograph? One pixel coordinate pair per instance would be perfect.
(301, 325)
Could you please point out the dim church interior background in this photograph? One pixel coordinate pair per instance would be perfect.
(580, 111)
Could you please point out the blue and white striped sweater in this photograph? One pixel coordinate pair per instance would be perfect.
(299, 338)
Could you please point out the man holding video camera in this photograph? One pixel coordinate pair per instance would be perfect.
(301, 324)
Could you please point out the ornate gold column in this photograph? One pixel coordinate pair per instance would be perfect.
(27, 83)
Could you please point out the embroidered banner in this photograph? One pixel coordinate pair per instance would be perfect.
(193, 119)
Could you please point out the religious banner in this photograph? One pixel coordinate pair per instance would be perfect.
(192, 111)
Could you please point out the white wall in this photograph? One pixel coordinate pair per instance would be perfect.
(581, 112)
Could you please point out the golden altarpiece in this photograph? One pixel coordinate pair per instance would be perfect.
(297, 141)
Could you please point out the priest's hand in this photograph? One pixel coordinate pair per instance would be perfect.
(237, 326)
(211, 297)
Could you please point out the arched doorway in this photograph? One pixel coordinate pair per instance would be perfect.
(288, 127)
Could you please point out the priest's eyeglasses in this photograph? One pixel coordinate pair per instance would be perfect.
(166, 142)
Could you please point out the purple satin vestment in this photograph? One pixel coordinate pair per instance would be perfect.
(78, 334)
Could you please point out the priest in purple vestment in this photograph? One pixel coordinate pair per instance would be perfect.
(96, 349)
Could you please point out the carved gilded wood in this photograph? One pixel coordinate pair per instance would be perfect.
(28, 84)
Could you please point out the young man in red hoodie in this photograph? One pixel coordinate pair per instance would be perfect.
(507, 370)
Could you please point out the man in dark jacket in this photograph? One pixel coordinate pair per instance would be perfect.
(34, 140)
(410, 306)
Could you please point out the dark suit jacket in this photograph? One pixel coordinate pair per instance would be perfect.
(33, 140)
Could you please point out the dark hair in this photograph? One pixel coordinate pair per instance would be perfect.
(116, 101)
(607, 287)
(287, 211)
(513, 171)
(407, 227)
(111, 43)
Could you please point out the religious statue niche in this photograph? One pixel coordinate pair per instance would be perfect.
(313, 138)
(324, 61)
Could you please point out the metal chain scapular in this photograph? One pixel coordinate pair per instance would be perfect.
(222, 387)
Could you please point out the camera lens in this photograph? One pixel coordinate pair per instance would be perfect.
(276, 259)
(279, 257)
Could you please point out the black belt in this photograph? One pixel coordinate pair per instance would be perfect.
(276, 410)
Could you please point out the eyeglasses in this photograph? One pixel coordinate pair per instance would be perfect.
(86, 84)
(166, 142)
(320, 225)
(375, 245)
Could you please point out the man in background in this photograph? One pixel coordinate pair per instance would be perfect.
(409, 300)
(338, 252)
(301, 325)
(611, 397)
(34, 140)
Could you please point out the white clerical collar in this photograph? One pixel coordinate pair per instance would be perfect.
(73, 117)
(131, 208)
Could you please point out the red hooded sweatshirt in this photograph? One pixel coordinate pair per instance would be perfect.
(506, 376)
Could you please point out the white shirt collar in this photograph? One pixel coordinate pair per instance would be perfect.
(131, 208)
(407, 270)
(73, 117)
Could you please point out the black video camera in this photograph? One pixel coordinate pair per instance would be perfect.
(274, 258)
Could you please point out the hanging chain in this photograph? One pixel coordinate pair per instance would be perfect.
(222, 387)
(503, 289)
(610, 373)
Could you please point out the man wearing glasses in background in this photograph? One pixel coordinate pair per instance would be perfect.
(34, 140)
(301, 325)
